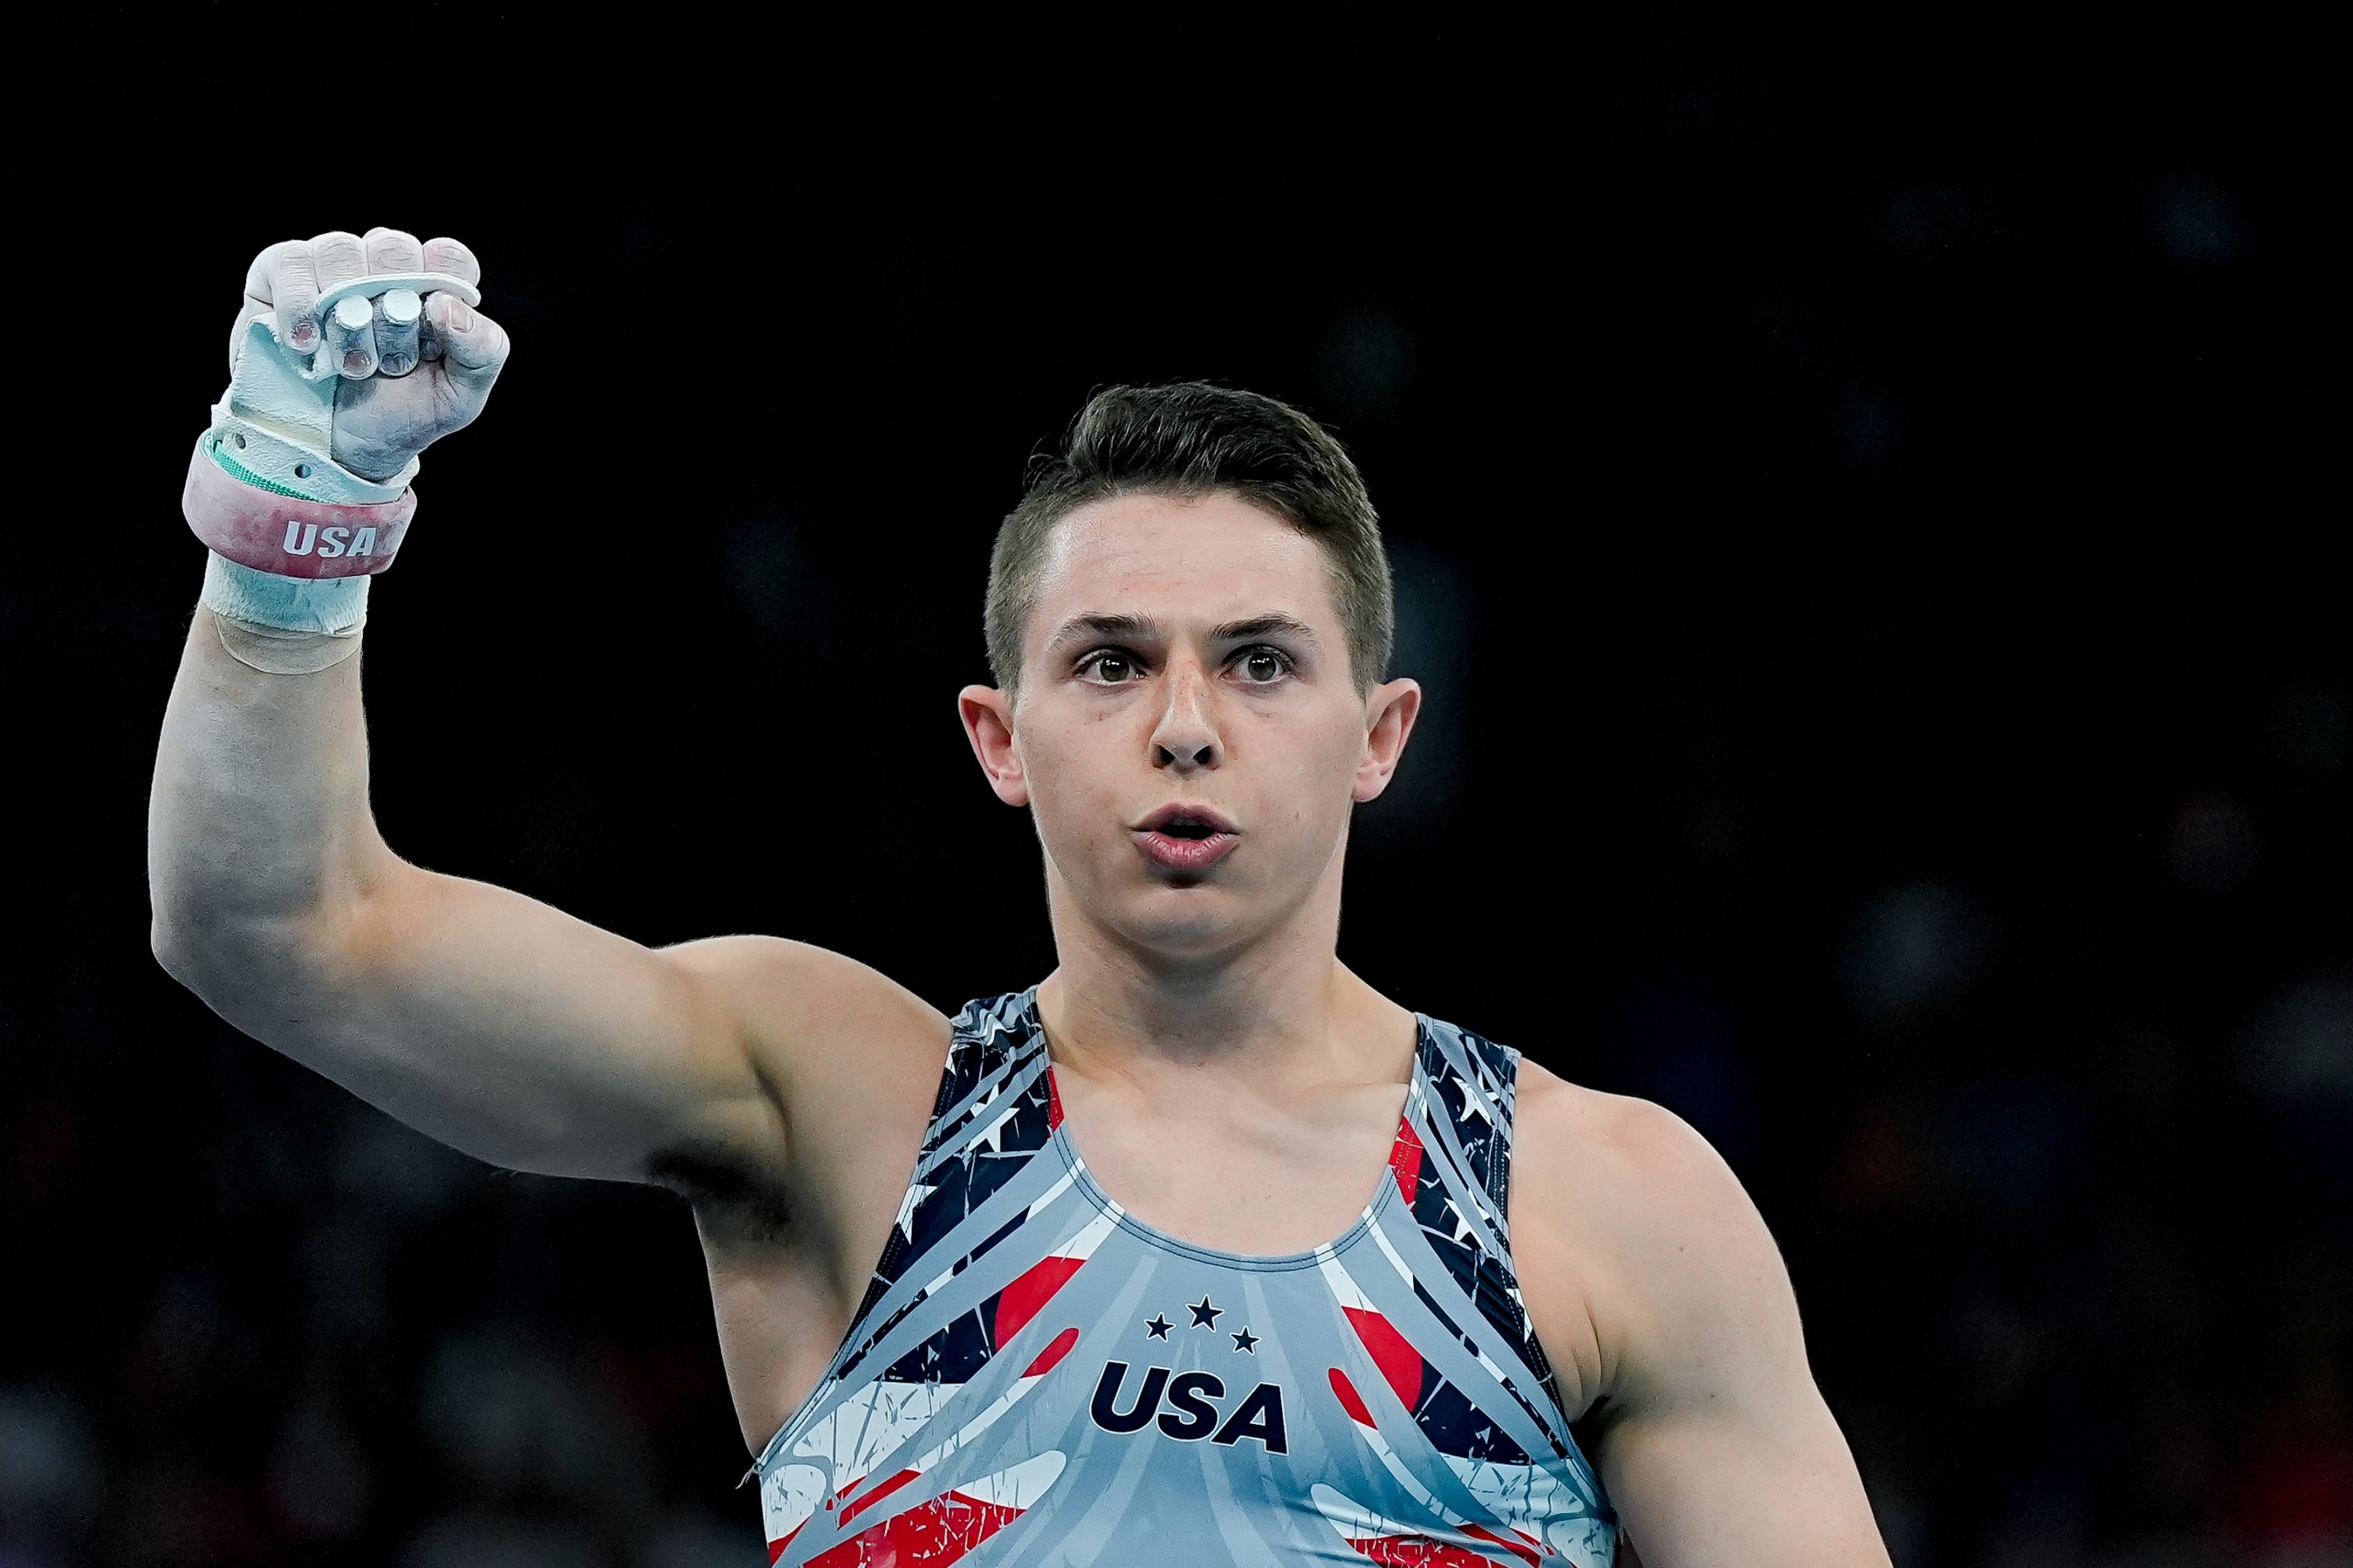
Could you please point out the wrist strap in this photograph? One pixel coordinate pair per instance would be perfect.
(325, 607)
(245, 519)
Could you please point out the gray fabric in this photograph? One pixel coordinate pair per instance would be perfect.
(1039, 1378)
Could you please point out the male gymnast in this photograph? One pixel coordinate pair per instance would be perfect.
(1200, 1250)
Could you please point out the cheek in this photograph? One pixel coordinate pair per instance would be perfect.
(1312, 787)
(1073, 767)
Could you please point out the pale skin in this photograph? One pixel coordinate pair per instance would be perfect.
(1228, 1079)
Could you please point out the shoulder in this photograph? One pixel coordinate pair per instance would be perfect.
(1639, 1152)
(846, 1060)
(805, 1013)
(1629, 1229)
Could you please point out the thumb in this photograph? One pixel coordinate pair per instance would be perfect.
(473, 347)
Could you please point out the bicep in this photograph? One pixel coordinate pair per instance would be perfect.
(1727, 1451)
(514, 1032)
(1767, 1482)
(1715, 1444)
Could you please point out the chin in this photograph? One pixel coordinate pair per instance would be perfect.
(1196, 920)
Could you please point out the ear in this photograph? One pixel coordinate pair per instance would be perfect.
(1390, 713)
(987, 715)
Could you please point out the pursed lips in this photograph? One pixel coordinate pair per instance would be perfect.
(1186, 837)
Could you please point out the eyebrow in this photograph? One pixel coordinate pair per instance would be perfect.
(1141, 629)
(1259, 626)
(1110, 628)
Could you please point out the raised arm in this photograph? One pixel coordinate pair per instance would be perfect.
(494, 1023)
(1650, 1273)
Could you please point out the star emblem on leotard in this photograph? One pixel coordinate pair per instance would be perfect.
(1205, 1315)
(1246, 1341)
(1157, 1326)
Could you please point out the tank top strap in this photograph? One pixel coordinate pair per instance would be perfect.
(995, 1108)
(1459, 1111)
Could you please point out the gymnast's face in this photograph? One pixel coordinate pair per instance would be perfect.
(1187, 734)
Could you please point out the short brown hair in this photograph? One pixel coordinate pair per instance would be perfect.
(1193, 439)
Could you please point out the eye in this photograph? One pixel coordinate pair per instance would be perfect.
(1262, 666)
(1108, 667)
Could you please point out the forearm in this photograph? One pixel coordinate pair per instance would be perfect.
(494, 1023)
(260, 843)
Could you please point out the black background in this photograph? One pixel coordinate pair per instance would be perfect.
(1862, 511)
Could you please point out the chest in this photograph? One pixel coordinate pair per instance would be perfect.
(1081, 1379)
(1192, 1326)
(1231, 1169)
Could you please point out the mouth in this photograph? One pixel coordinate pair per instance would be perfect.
(1186, 837)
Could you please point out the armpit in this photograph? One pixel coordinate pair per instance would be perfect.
(735, 1202)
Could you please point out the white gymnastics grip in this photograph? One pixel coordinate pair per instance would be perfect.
(376, 283)
(353, 318)
(274, 426)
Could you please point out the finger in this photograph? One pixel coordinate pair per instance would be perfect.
(472, 345)
(392, 250)
(338, 256)
(260, 277)
(293, 293)
(258, 291)
(236, 331)
(445, 255)
(351, 337)
(398, 315)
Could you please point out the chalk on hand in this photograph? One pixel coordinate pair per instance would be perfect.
(429, 336)
(351, 337)
(398, 311)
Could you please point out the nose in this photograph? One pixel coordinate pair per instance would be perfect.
(1185, 741)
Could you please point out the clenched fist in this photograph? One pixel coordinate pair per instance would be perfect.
(406, 370)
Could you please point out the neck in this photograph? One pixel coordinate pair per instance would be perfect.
(1280, 1006)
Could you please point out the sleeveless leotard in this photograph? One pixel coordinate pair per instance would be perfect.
(1036, 1377)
